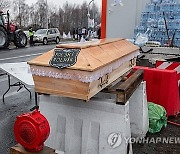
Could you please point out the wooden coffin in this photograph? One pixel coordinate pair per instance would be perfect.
(98, 64)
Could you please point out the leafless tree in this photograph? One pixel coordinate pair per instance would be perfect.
(4, 4)
(65, 18)
(41, 12)
(22, 11)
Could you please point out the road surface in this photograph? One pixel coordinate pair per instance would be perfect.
(15, 102)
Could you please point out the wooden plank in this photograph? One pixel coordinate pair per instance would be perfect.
(67, 88)
(134, 77)
(87, 44)
(108, 48)
(125, 46)
(126, 89)
(75, 88)
(42, 60)
(62, 93)
(94, 57)
(114, 84)
(18, 149)
(94, 88)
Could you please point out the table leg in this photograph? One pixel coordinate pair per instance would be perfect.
(9, 86)
(15, 84)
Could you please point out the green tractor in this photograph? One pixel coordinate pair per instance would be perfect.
(9, 33)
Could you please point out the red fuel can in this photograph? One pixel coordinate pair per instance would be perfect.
(31, 130)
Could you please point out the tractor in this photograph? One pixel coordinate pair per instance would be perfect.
(9, 33)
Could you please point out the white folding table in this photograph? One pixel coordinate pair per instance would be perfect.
(21, 72)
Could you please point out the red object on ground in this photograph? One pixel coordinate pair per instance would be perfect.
(174, 123)
(162, 88)
(31, 130)
(169, 66)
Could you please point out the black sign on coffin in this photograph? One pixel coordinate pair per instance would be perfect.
(63, 58)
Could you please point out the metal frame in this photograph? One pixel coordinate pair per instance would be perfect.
(20, 84)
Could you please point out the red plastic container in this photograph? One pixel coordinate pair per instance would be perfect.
(169, 66)
(31, 130)
(162, 88)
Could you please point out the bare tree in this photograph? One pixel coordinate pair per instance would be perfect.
(60, 19)
(4, 4)
(25, 15)
(67, 8)
(41, 12)
(95, 12)
(84, 12)
(65, 18)
(21, 9)
(77, 17)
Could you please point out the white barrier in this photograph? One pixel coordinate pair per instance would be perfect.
(138, 110)
(96, 127)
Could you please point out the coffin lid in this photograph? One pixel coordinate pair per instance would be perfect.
(93, 54)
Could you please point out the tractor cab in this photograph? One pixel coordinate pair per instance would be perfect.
(2, 22)
(9, 33)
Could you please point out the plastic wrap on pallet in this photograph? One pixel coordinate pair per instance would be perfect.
(154, 13)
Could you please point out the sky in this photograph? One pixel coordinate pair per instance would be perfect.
(61, 2)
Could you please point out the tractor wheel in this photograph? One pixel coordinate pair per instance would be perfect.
(20, 39)
(4, 41)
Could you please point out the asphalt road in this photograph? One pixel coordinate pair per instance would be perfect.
(15, 102)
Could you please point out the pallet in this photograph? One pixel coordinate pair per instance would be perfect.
(18, 149)
(125, 88)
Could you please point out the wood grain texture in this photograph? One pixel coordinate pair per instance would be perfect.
(18, 149)
(93, 55)
(74, 88)
(124, 89)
